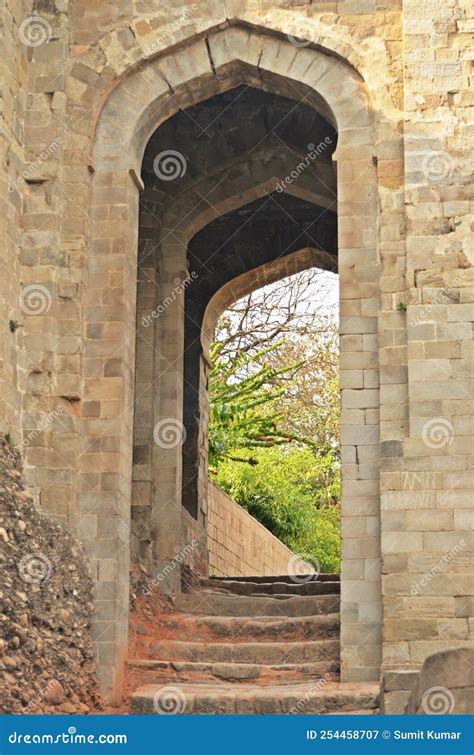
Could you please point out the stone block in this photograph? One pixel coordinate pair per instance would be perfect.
(394, 702)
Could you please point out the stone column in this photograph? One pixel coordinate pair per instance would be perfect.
(359, 378)
(105, 461)
(168, 430)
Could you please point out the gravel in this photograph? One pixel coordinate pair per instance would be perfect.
(46, 594)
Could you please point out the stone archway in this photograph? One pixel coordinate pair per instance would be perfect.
(254, 179)
(139, 103)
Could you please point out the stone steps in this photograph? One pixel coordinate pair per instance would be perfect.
(245, 652)
(163, 672)
(214, 699)
(218, 604)
(261, 589)
(254, 645)
(243, 629)
(364, 712)
(323, 577)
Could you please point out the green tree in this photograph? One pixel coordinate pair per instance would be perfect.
(244, 393)
(294, 493)
(274, 416)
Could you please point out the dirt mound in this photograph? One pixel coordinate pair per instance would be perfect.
(46, 653)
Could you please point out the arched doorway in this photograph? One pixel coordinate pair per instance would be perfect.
(337, 93)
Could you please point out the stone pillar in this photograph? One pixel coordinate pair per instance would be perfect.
(105, 462)
(145, 386)
(168, 429)
(359, 378)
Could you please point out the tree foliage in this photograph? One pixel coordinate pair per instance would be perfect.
(294, 493)
(244, 394)
(274, 414)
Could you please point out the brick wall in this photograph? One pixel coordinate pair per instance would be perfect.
(238, 545)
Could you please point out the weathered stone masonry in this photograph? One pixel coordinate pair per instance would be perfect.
(239, 545)
(395, 80)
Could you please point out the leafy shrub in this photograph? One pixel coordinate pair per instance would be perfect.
(294, 493)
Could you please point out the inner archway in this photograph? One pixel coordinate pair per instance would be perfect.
(267, 168)
(236, 253)
(273, 429)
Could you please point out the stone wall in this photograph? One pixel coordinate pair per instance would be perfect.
(13, 92)
(427, 347)
(238, 545)
(69, 229)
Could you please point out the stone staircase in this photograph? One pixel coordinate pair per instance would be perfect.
(248, 645)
